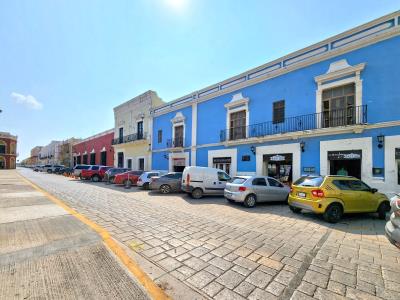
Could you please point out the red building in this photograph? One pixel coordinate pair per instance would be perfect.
(95, 150)
(8, 150)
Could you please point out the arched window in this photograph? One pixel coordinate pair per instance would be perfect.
(3, 147)
(2, 162)
(12, 148)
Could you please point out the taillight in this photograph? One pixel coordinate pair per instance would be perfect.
(188, 179)
(291, 189)
(318, 193)
(397, 203)
(242, 188)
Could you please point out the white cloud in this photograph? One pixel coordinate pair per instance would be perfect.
(28, 100)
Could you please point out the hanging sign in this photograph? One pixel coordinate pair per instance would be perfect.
(277, 157)
(345, 155)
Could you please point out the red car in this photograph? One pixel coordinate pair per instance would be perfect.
(94, 173)
(123, 178)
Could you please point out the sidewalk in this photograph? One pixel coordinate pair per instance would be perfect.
(46, 253)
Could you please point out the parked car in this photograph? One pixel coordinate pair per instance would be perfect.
(128, 177)
(102, 172)
(333, 195)
(392, 227)
(45, 168)
(78, 169)
(251, 190)
(199, 181)
(144, 179)
(64, 170)
(92, 173)
(167, 183)
(54, 168)
(38, 168)
(109, 175)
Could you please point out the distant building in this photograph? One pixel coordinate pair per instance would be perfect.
(94, 150)
(8, 150)
(65, 152)
(49, 154)
(132, 132)
(34, 158)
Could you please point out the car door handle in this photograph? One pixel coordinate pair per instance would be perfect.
(215, 182)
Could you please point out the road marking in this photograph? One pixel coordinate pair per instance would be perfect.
(151, 287)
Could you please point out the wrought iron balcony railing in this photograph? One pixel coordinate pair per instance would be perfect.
(332, 118)
(129, 138)
(176, 142)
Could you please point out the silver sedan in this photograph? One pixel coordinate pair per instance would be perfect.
(253, 189)
(168, 183)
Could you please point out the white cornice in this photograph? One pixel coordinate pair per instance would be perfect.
(365, 41)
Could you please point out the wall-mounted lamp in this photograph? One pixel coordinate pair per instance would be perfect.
(381, 140)
(253, 150)
(302, 146)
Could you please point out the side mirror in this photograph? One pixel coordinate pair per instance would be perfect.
(373, 191)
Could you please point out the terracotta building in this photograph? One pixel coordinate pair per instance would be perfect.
(8, 150)
(95, 150)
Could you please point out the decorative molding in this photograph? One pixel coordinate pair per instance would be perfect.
(236, 101)
(358, 37)
(179, 118)
(339, 69)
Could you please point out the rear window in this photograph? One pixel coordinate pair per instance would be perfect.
(152, 175)
(238, 180)
(309, 181)
(95, 168)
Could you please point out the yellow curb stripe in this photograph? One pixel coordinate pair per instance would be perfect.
(153, 289)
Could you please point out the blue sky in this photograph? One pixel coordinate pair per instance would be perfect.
(65, 64)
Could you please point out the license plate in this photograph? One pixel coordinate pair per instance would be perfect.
(302, 195)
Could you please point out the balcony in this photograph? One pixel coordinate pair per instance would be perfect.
(129, 138)
(328, 119)
(177, 142)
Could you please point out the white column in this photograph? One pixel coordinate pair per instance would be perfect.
(194, 134)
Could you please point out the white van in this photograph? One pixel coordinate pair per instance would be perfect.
(199, 181)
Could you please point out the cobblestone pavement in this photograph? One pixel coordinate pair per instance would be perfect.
(226, 251)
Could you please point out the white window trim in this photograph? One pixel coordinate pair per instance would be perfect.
(293, 148)
(391, 143)
(178, 120)
(238, 103)
(232, 153)
(337, 70)
(173, 155)
(364, 144)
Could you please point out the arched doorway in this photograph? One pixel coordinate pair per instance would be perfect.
(12, 163)
(2, 162)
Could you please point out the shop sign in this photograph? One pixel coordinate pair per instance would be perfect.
(397, 153)
(277, 157)
(246, 158)
(222, 160)
(345, 155)
(309, 169)
(179, 162)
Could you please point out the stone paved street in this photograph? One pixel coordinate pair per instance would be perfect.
(226, 251)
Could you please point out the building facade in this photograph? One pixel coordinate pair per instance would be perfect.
(331, 108)
(95, 150)
(34, 158)
(8, 150)
(49, 153)
(132, 132)
(65, 152)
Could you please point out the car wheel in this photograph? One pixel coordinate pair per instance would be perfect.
(250, 200)
(165, 189)
(95, 178)
(296, 210)
(333, 213)
(197, 193)
(383, 208)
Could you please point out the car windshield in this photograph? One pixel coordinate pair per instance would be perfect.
(238, 180)
(312, 181)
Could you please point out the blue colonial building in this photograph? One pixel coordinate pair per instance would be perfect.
(331, 108)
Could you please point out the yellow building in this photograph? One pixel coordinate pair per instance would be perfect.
(133, 127)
